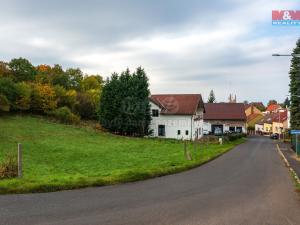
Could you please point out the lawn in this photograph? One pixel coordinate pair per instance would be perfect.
(58, 156)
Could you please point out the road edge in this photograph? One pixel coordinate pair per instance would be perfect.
(292, 171)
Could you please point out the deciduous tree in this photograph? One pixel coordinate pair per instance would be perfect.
(22, 69)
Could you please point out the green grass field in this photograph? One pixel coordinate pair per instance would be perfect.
(58, 157)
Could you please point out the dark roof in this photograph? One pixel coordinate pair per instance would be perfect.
(268, 118)
(224, 111)
(280, 117)
(258, 104)
(178, 104)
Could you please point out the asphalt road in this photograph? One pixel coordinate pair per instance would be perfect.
(248, 185)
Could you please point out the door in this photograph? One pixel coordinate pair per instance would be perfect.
(161, 130)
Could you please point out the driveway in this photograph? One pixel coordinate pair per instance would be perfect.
(248, 185)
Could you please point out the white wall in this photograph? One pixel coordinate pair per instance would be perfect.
(259, 128)
(173, 123)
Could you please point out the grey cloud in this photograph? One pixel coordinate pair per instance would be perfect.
(93, 35)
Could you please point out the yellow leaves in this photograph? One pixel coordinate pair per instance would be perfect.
(43, 68)
(45, 97)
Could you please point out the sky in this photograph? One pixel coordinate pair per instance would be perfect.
(187, 46)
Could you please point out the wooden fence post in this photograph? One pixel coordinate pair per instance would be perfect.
(19, 160)
(184, 149)
(195, 150)
(187, 154)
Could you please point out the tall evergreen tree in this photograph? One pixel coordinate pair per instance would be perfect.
(124, 105)
(295, 88)
(211, 97)
(286, 103)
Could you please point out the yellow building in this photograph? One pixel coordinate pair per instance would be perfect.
(250, 109)
(268, 128)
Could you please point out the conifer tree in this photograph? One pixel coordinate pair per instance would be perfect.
(295, 87)
(211, 97)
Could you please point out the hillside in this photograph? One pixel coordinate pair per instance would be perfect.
(60, 156)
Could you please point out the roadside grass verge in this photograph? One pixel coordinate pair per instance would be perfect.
(59, 157)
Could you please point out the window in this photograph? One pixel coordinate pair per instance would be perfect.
(186, 132)
(199, 131)
(161, 130)
(232, 129)
(155, 112)
(178, 132)
(239, 129)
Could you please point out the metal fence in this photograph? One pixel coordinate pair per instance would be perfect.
(296, 143)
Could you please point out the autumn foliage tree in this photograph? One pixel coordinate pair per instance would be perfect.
(43, 98)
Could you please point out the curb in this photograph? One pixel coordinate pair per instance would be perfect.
(294, 174)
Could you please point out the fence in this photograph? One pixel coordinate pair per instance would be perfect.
(296, 143)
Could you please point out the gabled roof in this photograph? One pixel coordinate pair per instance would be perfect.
(268, 118)
(254, 116)
(273, 107)
(280, 117)
(224, 111)
(178, 104)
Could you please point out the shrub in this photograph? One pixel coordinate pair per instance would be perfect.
(9, 167)
(234, 136)
(64, 115)
(85, 107)
(4, 104)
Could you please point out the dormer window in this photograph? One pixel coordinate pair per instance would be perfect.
(154, 112)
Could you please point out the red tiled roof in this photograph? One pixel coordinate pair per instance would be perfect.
(224, 111)
(178, 104)
(273, 107)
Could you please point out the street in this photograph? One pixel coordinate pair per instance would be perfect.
(248, 185)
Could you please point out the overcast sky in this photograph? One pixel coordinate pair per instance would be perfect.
(187, 46)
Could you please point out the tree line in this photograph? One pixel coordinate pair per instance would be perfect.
(68, 94)
(121, 103)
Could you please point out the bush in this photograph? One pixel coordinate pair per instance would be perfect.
(85, 107)
(65, 115)
(234, 136)
(9, 167)
(4, 104)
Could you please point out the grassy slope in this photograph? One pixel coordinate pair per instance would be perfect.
(59, 156)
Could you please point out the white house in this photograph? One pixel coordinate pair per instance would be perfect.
(178, 116)
(224, 117)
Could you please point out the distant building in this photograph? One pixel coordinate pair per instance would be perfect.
(273, 108)
(274, 122)
(224, 117)
(280, 122)
(232, 99)
(251, 109)
(253, 115)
